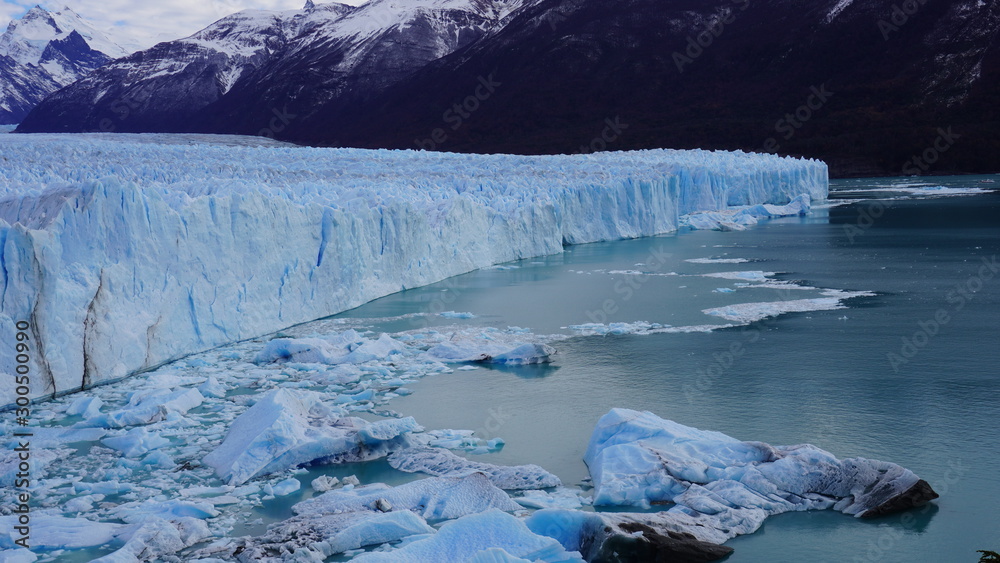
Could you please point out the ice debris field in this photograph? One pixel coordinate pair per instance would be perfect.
(123, 255)
(127, 255)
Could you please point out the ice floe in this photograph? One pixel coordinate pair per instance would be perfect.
(443, 463)
(637, 458)
(287, 428)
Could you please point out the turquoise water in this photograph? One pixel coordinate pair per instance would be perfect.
(823, 377)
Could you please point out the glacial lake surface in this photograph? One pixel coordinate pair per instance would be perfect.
(883, 378)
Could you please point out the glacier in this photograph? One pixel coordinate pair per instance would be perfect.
(730, 486)
(123, 255)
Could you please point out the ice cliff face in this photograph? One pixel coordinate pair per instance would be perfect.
(122, 256)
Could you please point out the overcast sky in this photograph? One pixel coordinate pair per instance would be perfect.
(151, 21)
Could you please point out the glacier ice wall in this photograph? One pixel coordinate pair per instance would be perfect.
(125, 252)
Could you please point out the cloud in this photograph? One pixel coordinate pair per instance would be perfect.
(148, 23)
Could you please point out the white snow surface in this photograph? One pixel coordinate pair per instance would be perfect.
(123, 256)
(727, 486)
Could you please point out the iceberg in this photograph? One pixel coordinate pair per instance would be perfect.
(287, 428)
(146, 407)
(742, 218)
(746, 313)
(443, 463)
(154, 537)
(434, 498)
(120, 256)
(57, 532)
(731, 486)
(490, 536)
(316, 538)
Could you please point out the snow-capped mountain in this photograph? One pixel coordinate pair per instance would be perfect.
(44, 51)
(163, 88)
(242, 71)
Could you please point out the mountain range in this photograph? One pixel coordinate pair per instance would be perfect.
(45, 51)
(871, 86)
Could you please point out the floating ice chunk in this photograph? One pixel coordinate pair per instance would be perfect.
(155, 537)
(348, 347)
(366, 395)
(434, 498)
(601, 329)
(324, 483)
(317, 537)
(55, 436)
(559, 498)
(81, 504)
(212, 388)
(286, 487)
(717, 260)
(443, 463)
(300, 350)
(86, 407)
(745, 313)
(375, 529)
(147, 407)
(464, 440)
(456, 315)
(287, 428)
(753, 275)
(723, 290)
(134, 512)
(19, 555)
(465, 538)
(741, 218)
(135, 442)
(374, 433)
(490, 347)
(525, 354)
(58, 532)
(640, 328)
(636, 458)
